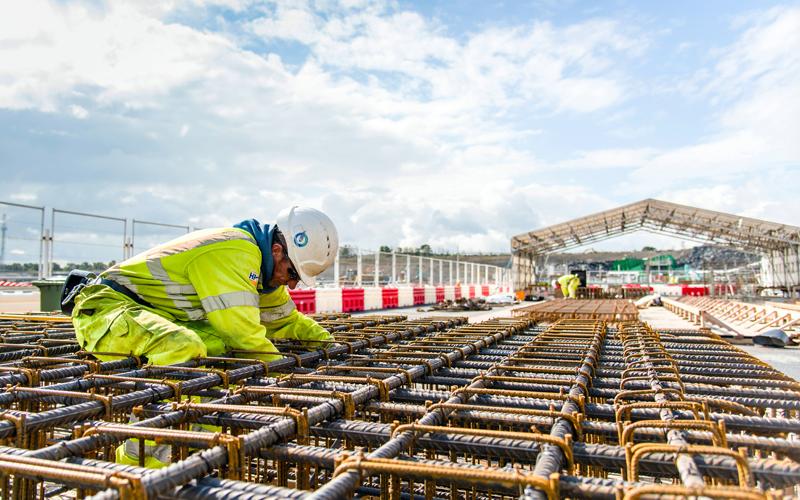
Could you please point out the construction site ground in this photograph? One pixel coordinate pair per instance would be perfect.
(18, 301)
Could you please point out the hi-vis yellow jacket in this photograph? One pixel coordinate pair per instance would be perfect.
(214, 275)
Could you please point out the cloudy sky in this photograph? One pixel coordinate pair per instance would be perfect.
(452, 123)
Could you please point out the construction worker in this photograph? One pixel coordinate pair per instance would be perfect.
(207, 293)
(569, 285)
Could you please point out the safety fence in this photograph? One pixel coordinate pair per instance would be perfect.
(22, 230)
(359, 267)
(392, 408)
(40, 242)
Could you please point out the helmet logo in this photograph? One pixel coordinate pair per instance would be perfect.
(301, 239)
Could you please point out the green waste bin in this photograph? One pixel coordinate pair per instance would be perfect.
(50, 293)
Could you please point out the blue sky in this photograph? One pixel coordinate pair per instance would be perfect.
(457, 124)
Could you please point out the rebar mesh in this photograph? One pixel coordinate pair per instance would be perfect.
(398, 408)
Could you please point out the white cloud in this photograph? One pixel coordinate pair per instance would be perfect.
(435, 87)
(722, 197)
(78, 112)
(769, 196)
(553, 68)
(406, 132)
(50, 51)
(289, 23)
(23, 197)
(766, 53)
(609, 158)
(755, 85)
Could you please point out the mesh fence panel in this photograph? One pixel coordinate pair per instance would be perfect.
(92, 242)
(426, 271)
(86, 241)
(449, 273)
(386, 276)
(405, 273)
(20, 241)
(348, 266)
(146, 235)
(368, 262)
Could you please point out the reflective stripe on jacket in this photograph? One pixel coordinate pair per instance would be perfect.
(178, 276)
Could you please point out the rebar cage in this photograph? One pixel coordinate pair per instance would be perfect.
(400, 409)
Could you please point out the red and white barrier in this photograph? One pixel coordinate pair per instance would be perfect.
(419, 295)
(668, 290)
(694, 290)
(326, 300)
(329, 300)
(352, 299)
(391, 297)
(405, 296)
(304, 300)
(15, 284)
(373, 298)
(430, 294)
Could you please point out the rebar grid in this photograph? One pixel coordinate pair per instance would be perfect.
(610, 310)
(431, 408)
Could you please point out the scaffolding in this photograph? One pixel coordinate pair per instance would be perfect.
(779, 244)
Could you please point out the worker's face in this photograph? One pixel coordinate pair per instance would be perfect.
(282, 273)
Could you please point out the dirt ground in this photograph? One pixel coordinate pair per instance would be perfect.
(19, 300)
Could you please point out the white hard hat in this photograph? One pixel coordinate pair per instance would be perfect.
(311, 240)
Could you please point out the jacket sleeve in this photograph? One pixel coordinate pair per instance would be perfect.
(283, 321)
(230, 299)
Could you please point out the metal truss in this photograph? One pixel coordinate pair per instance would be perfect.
(657, 216)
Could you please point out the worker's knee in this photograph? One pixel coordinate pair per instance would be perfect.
(178, 348)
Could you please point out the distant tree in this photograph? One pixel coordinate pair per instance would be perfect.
(386, 249)
(648, 249)
(408, 250)
(425, 249)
